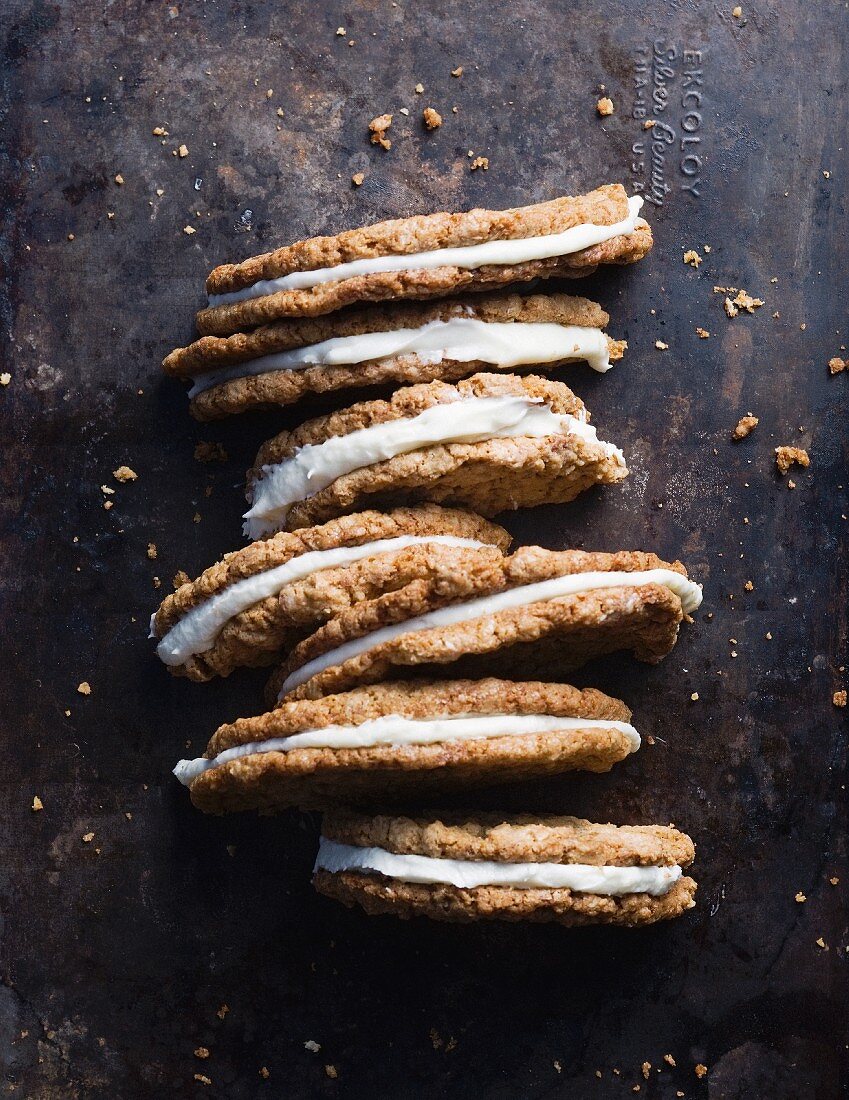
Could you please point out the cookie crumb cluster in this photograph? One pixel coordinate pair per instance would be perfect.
(378, 128)
(785, 457)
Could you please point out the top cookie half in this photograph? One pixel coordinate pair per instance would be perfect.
(427, 256)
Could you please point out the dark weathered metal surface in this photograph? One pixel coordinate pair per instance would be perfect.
(117, 953)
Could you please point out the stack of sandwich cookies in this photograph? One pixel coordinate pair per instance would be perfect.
(416, 656)
(533, 615)
(490, 443)
(374, 744)
(427, 256)
(493, 867)
(391, 344)
(259, 601)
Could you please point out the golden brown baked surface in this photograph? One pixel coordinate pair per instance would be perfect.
(318, 777)
(605, 206)
(489, 477)
(536, 641)
(514, 839)
(448, 903)
(256, 636)
(285, 387)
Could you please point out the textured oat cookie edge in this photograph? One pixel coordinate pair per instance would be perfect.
(511, 838)
(318, 778)
(209, 352)
(491, 477)
(274, 625)
(540, 641)
(381, 896)
(277, 389)
(606, 205)
(420, 700)
(415, 283)
(527, 565)
(353, 529)
(410, 401)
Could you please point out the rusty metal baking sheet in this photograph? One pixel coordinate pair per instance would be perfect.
(120, 952)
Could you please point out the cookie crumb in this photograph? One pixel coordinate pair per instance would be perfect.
(201, 1052)
(646, 1068)
(650, 124)
(124, 473)
(378, 127)
(119, 179)
(152, 551)
(742, 301)
(834, 880)
(661, 346)
(800, 897)
(84, 688)
(737, 12)
(37, 804)
(210, 452)
(479, 162)
(5, 378)
(839, 698)
(357, 179)
(836, 365)
(694, 698)
(605, 106)
(88, 838)
(263, 1072)
(701, 1070)
(180, 577)
(222, 1011)
(419, 89)
(558, 1068)
(189, 230)
(431, 118)
(183, 151)
(312, 1046)
(458, 72)
(331, 1071)
(203, 1079)
(745, 426)
(692, 258)
(341, 32)
(821, 943)
(786, 456)
(749, 586)
(670, 1061)
(703, 333)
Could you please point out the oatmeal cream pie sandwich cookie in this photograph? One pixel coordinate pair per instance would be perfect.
(427, 256)
(391, 345)
(490, 443)
(476, 866)
(534, 615)
(377, 743)
(259, 601)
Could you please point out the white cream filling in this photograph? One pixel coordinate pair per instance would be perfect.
(471, 420)
(467, 257)
(197, 630)
(460, 339)
(689, 593)
(466, 874)
(393, 729)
